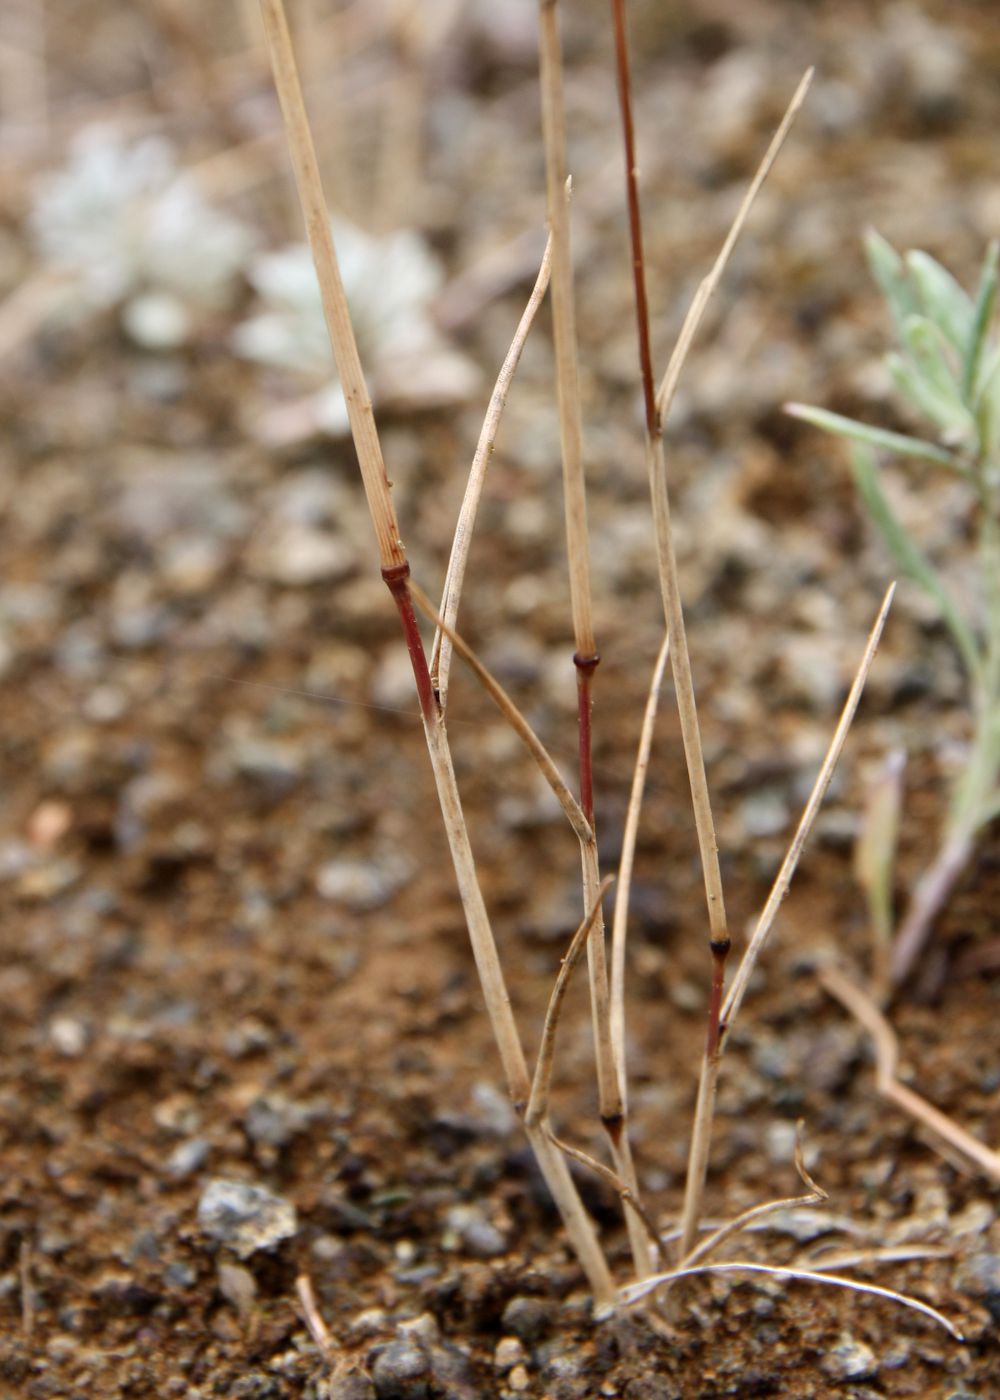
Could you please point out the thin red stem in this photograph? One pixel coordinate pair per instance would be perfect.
(634, 216)
(397, 581)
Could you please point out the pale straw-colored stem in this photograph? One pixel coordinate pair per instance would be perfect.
(701, 1133)
(687, 708)
(746, 1218)
(455, 576)
(635, 1292)
(514, 717)
(318, 1329)
(578, 1224)
(564, 327)
(668, 385)
(338, 320)
(628, 1198)
(619, 924)
(863, 1008)
(541, 1084)
(779, 889)
(574, 496)
(395, 570)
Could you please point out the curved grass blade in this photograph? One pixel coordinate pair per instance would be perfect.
(900, 443)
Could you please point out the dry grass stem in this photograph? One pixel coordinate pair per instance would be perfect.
(511, 714)
(538, 1102)
(746, 1218)
(619, 923)
(27, 1290)
(680, 661)
(345, 349)
(564, 328)
(395, 571)
(705, 1106)
(634, 1293)
(689, 329)
(887, 1254)
(318, 1329)
(784, 877)
(627, 1196)
(861, 1006)
(454, 578)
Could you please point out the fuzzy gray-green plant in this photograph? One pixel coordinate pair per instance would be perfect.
(947, 367)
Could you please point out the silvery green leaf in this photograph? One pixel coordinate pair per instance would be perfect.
(889, 271)
(944, 410)
(943, 301)
(900, 443)
(986, 297)
(909, 557)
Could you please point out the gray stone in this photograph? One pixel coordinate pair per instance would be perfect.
(244, 1217)
(527, 1318)
(478, 1236)
(401, 1372)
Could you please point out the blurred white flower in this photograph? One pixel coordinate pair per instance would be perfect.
(128, 227)
(390, 284)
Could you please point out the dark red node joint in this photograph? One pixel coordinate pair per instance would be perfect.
(614, 1124)
(396, 578)
(720, 951)
(585, 668)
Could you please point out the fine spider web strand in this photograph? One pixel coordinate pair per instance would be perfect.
(395, 572)
(701, 1135)
(461, 544)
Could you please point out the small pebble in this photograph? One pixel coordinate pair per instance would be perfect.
(519, 1380)
(478, 1235)
(849, 1360)
(509, 1353)
(527, 1318)
(400, 1372)
(187, 1158)
(245, 1217)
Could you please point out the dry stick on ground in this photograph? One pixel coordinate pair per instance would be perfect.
(585, 656)
(318, 1329)
(861, 1006)
(395, 571)
(455, 576)
(619, 923)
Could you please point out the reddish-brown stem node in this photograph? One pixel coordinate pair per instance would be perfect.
(396, 578)
(635, 216)
(614, 1126)
(585, 668)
